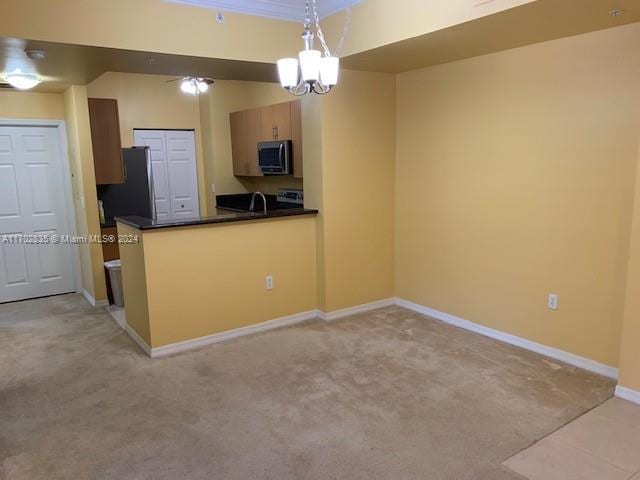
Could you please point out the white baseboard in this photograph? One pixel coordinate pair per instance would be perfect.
(96, 303)
(228, 335)
(561, 355)
(119, 315)
(628, 394)
(345, 312)
(138, 339)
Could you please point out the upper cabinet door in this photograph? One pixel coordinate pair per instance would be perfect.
(105, 137)
(283, 121)
(252, 122)
(296, 137)
(268, 123)
(275, 122)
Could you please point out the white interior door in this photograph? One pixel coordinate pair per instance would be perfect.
(183, 174)
(174, 171)
(32, 207)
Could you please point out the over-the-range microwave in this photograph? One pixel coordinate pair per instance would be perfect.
(274, 158)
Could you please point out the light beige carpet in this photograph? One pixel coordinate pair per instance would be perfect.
(384, 395)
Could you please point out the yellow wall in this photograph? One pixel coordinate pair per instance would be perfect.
(515, 178)
(210, 279)
(375, 23)
(149, 101)
(148, 26)
(357, 185)
(630, 345)
(228, 96)
(134, 281)
(41, 106)
(84, 189)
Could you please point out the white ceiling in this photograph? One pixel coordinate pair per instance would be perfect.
(281, 9)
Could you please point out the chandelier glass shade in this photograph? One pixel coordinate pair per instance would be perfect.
(314, 71)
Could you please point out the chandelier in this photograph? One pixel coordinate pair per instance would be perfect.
(314, 70)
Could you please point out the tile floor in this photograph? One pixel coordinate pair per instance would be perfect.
(603, 444)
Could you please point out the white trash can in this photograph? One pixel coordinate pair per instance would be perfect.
(115, 276)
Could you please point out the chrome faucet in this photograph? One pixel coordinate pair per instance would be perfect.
(252, 205)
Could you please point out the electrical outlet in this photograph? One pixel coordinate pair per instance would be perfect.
(268, 282)
(552, 301)
(213, 188)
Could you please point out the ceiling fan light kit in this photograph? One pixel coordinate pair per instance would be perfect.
(21, 80)
(195, 85)
(314, 71)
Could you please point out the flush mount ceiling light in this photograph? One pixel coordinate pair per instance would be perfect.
(318, 71)
(20, 80)
(195, 85)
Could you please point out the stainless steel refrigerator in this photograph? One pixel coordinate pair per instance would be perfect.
(135, 195)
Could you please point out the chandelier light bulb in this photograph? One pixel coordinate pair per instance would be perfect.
(202, 86)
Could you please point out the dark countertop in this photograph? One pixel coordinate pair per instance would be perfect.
(108, 223)
(142, 223)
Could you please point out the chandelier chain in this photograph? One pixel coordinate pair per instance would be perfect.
(320, 33)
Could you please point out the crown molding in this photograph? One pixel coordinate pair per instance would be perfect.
(280, 10)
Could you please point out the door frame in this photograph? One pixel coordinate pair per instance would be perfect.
(61, 129)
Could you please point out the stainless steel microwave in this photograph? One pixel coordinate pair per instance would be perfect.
(274, 158)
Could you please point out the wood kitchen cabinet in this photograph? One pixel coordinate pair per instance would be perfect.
(245, 135)
(110, 250)
(296, 137)
(105, 138)
(274, 122)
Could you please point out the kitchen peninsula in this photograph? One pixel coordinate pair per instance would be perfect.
(191, 282)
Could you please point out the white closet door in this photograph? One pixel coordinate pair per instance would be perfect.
(155, 140)
(183, 174)
(174, 171)
(32, 203)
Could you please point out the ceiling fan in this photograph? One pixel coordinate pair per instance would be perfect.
(193, 85)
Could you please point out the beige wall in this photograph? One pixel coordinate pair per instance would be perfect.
(150, 101)
(134, 281)
(375, 23)
(630, 345)
(41, 106)
(356, 185)
(515, 178)
(148, 26)
(190, 294)
(83, 180)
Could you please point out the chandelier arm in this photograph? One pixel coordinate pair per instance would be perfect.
(320, 89)
(303, 88)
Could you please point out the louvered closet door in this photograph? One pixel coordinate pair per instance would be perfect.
(32, 203)
(175, 175)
